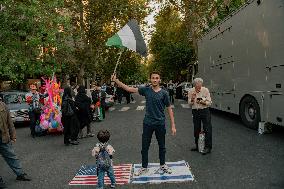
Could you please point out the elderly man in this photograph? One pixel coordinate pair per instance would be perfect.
(199, 99)
(8, 135)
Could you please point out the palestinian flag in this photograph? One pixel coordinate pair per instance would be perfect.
(130, 37)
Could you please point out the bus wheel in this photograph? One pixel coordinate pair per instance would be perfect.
(250, 112)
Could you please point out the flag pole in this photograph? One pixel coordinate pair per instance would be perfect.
(117, 62)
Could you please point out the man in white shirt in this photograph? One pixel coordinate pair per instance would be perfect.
(199, 99)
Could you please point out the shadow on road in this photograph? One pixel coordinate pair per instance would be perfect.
(276, 129)
(226, 115)
(21, 125)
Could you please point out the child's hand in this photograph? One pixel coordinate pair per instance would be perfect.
(110, 150)
(95, 151)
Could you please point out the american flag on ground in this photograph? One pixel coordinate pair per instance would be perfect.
(87, 175)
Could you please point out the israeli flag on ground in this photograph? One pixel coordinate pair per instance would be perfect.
(181, 173)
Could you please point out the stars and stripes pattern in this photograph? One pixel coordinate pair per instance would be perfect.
(87, 175)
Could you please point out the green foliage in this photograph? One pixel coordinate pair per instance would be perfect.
(101, 20)
(169, 47)
(25, 28)
(64, 36)
(175, 47)
(68, 36)
(224, 10)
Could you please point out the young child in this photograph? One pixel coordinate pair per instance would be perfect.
(103, 153)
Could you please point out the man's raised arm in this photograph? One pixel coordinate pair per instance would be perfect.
(122, 85)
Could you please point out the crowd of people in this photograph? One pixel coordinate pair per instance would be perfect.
(78, 112)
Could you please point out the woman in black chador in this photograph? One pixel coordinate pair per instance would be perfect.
(84, 104)
(69, 118)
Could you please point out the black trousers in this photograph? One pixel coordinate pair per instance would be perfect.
(160, 132)
(172, 100)
(171, 95)
(34, 120)
(204, 116)
(127, 96)
(119, 98)
(71, 128)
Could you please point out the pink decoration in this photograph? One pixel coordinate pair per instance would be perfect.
(51, 117)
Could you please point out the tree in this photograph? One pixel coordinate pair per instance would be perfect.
(200, 15)
(189, 20)
(169, 47)
(31, 35)
(63, 36)
(93, 23)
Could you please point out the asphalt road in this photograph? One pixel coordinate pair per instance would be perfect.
(240, 158)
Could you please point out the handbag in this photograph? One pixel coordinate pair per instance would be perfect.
(67, 109)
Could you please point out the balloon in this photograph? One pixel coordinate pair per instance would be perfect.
(58, 118)
(42, 117)
(54, 124)
(44, 124)
(51, 117)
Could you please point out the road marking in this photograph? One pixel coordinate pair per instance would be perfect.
(140, 108)
(124, 109)
(133, 102)
(143, 102)
(185, 106)
(111, 109)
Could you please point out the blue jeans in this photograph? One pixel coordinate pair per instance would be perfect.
(7, 152)
(160, 132)
(101, 175)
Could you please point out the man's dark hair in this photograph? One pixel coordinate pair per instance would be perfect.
(155, 72)
(103, 136)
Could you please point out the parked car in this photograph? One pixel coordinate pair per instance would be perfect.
(16, 102)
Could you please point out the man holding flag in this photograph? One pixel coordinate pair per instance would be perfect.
(154, 121)
(157, 99)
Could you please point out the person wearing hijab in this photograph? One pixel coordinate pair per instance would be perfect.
(69, 118)
(84, 104)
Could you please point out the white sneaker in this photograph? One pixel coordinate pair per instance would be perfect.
(166, 169)
(141, 171)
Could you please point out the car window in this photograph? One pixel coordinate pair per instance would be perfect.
(14, 98)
